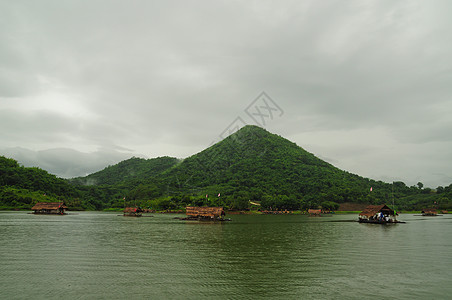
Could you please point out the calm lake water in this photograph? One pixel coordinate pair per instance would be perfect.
(92, 255)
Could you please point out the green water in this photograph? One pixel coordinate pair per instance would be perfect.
(103, 256)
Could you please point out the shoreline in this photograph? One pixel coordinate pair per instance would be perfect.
(233, 212)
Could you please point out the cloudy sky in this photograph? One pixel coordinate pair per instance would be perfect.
(365, 85)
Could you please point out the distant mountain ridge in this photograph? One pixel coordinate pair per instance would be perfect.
(251, 165)
(127, 170)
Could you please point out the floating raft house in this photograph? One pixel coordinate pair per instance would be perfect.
(378, 214)
(49, 208)
(431, 212)
(133, 212)
(314, 212)
(205, 213)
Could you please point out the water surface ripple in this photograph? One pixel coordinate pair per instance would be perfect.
(92, 255)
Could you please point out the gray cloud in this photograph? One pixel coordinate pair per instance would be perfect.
(167, 77)
(67, 163)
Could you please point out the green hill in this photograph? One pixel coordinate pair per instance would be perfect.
(21, 188)
(127, 170)
(251, 165)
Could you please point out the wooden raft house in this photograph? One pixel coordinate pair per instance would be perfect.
(378, 214)
(133, 212)
(277, 212)
(429, 212)
(49, 208)
(205, 213)
(314, 212)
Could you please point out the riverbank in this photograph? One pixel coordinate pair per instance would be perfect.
(234, 212)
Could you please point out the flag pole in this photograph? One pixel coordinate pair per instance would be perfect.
(393, 206)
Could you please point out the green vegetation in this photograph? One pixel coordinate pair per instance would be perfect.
(250, 166)
(133, 169)
(21, 188)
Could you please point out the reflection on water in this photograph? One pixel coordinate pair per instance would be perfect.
(101, 255)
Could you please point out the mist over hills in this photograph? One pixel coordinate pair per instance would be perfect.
(128, 170)
(64, 162)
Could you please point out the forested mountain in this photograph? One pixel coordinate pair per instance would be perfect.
(250, 166)
(22, 187)
(253, 164)
(127, 170)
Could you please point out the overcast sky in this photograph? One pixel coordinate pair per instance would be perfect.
(365, 85)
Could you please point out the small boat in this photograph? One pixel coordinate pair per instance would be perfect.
(378, 214)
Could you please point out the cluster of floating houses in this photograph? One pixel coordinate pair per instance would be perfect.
(193, 213)
(374, 214)
(432, 212)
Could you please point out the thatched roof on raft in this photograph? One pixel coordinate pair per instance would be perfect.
(314, 211)
(213, 212)
(48, 206)
(372, 210)
(132, 210)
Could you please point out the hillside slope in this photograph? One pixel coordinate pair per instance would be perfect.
(256, 162)
(251, 164)
(21, 188)
(127, 170)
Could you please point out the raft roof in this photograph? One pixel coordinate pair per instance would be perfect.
(372, 210)
(132, 210)
(212, 212)
(48, 206)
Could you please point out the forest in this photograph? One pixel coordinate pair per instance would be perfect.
(250, 169)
